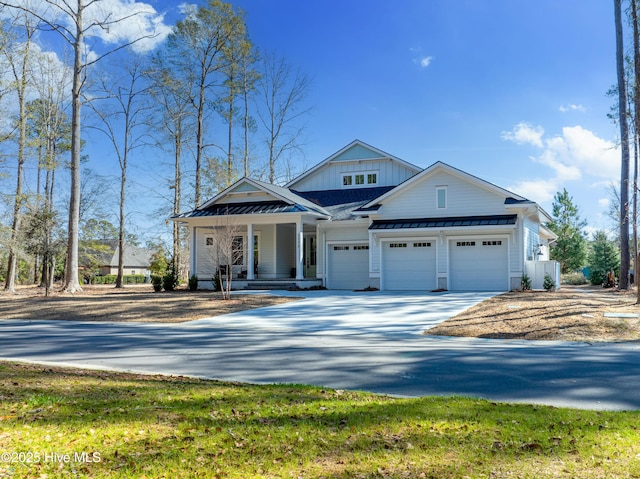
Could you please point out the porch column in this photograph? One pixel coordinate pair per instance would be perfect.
(299, 250)
(250, 259)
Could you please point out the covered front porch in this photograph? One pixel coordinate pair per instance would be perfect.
(281, 255)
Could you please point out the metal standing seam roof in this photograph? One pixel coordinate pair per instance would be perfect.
(259, 207)
(493, 220)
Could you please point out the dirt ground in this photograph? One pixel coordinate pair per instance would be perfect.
(135, 303)
(569, 314)
(573, 313)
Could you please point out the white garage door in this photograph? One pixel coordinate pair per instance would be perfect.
(478, 265)
(348, 266)
(409, 265)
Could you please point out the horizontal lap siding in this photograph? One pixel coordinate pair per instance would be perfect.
(463, 199)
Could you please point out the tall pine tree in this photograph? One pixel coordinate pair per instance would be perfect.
(570, 247)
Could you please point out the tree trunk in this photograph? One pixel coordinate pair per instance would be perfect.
(636, 138)
(177, 198)
(624, 138)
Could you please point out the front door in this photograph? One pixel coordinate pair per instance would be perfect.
(310, 255)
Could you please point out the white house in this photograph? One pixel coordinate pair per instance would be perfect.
(365, 219)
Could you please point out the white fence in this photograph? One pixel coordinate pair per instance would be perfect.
(537, 270)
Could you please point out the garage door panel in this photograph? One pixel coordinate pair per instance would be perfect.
(409, 265)
(478, 265)
(348, 266)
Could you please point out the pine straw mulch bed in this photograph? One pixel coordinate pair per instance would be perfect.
(569, 314)
(134, 303)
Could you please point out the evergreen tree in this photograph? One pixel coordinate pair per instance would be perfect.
(570, 247)
(603, 257)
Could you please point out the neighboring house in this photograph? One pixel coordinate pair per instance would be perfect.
(365, 219)
(136, 260)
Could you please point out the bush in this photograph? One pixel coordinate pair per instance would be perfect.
(525, 282)
(217, 281)
(574, 279)
(170, 280)
(548, 284)
(193, 282)
(156, 281)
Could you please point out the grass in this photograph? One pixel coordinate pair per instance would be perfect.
(123, 425)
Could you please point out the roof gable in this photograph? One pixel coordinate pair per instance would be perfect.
(356, 151)
(440, 167)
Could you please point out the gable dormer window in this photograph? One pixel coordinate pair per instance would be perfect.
(367, 178)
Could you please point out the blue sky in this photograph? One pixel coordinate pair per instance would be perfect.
(512, 91)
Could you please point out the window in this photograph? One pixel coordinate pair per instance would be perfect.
(397, 245)
(492, 243)
(466, 243)
(208, 241)
(359, 179)
(422, 244)
(340, 248)
(237, 250)
(361, 247)
(441, 192)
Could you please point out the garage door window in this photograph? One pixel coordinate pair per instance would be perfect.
(465, 243)
(361, 247)
(397, 245)
(492, 243)
(423, 244)
(340, 248)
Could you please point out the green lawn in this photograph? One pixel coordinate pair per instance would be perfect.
(70, 423)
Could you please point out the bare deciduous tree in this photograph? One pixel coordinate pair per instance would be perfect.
(68, 18)
(283, 91)
(120, 121)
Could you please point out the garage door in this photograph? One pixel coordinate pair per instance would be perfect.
(409, 266)
(348, 266)
(478, 265)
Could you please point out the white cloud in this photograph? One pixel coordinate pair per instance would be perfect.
(128, 20)
(572, 107)
(575, 153)
(539, 190)
(604, 203)
(524, 133)
(425, 62)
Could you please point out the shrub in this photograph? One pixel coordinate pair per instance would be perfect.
(217, 281)
(156, 281)
(574, 278)
(193, 282)
(525, 282)
(548, 284)
(170, 279)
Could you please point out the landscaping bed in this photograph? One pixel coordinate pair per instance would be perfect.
(573, 313)
(130, 304)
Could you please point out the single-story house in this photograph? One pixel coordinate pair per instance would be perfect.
(363, 218)
(135, 261)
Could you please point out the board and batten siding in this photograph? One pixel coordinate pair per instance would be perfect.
(329, 177)
(463, 199)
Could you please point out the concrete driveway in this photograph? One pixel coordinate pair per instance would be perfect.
(363, 341)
